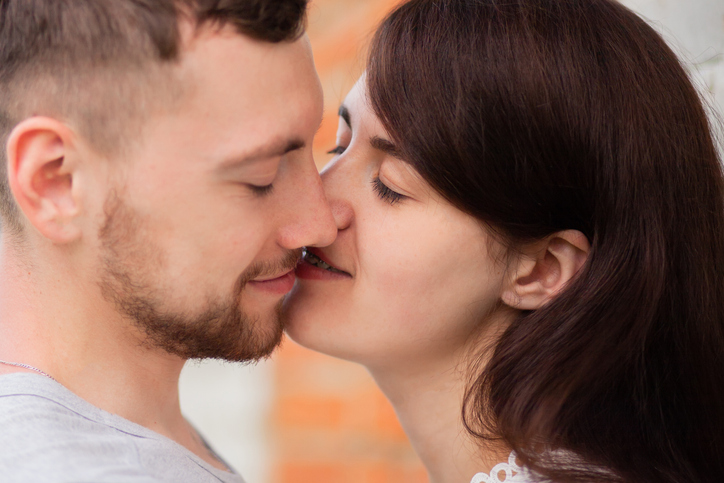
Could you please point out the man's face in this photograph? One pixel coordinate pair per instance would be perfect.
(204, 224)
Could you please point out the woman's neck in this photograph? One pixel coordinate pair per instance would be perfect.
(428, 400)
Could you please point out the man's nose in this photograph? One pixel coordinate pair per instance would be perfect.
(312, 223)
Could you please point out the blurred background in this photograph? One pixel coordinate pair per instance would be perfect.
(308, 418)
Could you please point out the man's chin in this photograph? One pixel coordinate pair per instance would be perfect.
(224, 333)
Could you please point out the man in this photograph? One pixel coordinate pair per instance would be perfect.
(157, 187)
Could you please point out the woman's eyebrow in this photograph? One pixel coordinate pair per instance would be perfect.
(343, 112)
(385, 146)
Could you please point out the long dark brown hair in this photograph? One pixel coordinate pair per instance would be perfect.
(537, 116)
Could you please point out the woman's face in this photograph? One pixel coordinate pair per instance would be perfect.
(419, 278)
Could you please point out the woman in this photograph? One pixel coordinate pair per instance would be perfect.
(530, 228)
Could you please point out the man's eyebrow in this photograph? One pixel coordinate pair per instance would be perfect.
(274, 149)
(385, 146)
(344, 114)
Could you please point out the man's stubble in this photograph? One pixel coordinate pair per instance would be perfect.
(220, 329)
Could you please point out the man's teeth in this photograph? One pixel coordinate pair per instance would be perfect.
(318, 262)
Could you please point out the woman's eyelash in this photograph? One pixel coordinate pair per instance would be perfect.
(261, 190)
(385, 193)
(337, 150)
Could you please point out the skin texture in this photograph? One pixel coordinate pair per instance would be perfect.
(173, 234)
(427, 291)
(399, 255)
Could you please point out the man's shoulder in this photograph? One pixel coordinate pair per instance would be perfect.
(49, 435)
(29, 406)
(43, 439)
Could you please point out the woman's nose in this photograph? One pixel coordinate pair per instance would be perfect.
(339, 188)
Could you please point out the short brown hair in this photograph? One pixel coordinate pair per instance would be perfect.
(85, 61)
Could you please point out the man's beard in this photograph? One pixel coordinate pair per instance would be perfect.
(219, 330)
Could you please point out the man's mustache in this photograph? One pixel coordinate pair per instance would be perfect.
(271, 268)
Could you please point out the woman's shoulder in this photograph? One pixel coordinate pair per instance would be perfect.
(509, 472)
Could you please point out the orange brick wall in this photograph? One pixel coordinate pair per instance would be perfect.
(330, 422)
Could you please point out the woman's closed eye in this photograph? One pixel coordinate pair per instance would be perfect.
(385, 193)
(337, 150)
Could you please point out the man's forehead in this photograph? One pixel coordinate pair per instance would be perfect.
(227, 60)
(243, 100)
(195, 36)
(228, 71)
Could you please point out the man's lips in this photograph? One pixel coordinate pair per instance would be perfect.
(278, 285)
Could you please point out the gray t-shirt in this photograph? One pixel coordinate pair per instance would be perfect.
(50, 435)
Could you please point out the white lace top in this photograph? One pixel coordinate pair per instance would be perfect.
(511, 472)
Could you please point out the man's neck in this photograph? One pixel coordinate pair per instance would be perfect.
(62, 325)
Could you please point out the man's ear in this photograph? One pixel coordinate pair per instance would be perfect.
(546, 269)
(40, 175)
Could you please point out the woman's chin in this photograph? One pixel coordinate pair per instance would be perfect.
(315, 327)
(309, 339)
(305, 320)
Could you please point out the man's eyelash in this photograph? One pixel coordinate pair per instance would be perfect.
(261, 190)
(337, 150)
(385, 193)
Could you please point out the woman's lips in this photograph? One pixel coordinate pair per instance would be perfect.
(280, 285)
(308, 270)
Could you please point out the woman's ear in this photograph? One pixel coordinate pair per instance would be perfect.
(40, 176)
(546, 269)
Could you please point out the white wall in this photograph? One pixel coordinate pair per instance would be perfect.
(695, 28)
(229, 404)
